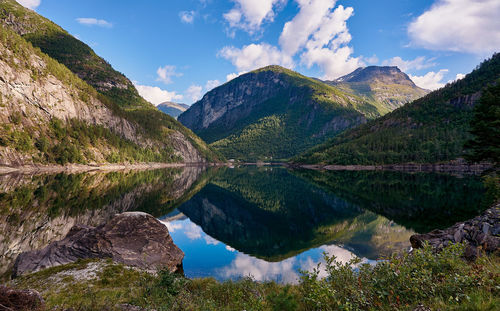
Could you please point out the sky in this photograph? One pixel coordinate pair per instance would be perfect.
(177, 50)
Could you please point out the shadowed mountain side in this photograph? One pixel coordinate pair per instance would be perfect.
(35, 212)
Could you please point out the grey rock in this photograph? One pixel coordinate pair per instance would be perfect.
(133, 238)
(480, 233)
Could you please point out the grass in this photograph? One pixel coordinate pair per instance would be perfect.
(440, 281)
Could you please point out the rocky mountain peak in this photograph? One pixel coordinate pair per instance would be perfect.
(383, 74)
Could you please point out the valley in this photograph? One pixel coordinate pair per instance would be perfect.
(190, 156)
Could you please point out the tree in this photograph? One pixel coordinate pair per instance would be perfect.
(485, 128)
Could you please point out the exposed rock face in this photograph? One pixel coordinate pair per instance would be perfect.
(387, 86)
(269, 103)
(132, 238)
(480, 233)
(385, 74)
(20, 299)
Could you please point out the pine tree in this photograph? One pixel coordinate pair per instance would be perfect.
(485, 127)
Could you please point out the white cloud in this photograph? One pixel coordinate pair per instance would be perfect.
(210, 241)
(250, 14)
(457, 77)
(172, 226)
(261, 270)
(431, 80)
(187, 17)
(166, 73)
(156, 95)
(192, 231)
(211, 84)
(233, 75)
(471, 26)
(254, 56)
(30, 4)
(404, 65)
(194, 92)
(318, 33)
(371, 60)
(325, 35)
(90, 21)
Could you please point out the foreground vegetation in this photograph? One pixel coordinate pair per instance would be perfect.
(441, 281)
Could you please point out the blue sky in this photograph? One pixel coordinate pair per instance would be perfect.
(179, 49)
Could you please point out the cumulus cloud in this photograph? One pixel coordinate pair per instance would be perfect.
(192, 231)
(187, 17)
(250, 14)
(471, 26)
(418, 63)
(194, 92)
(30, 4)
(156, 95)
(431, 80)
(211, 84)
(90, 21)
(254, 56)
(166, 73)
(318, 33)
(457, 77)
(261, 270)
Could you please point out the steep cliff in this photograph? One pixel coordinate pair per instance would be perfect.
(49, 115)
(385, 87)
(273, 113)
(431, 129)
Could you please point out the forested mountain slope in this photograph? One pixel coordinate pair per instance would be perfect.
(49, 115)
(273, 113)
(431, 129)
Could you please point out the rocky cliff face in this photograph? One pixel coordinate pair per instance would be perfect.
(250, 105)
(31, 97)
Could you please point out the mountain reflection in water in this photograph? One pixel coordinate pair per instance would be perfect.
(266, 222)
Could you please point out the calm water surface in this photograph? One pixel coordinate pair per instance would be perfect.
(263, 222)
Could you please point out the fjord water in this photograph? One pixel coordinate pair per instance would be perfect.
(267, 222)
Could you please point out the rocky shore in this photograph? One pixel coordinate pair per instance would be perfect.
(81, 168)
(480, 234)
(133, 238)
(449, 167)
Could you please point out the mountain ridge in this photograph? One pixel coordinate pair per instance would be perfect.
(272, 112)
(431, 129)
(50, 115)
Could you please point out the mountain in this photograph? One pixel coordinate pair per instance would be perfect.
(172, 109)
(431, 129)
(273, 113)
(385, 87)
(62, 103)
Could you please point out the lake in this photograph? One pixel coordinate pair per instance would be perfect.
(265, 222)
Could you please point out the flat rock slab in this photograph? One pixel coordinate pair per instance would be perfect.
(133, 238)
(479, 233)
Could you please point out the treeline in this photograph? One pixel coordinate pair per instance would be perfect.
(431, 129)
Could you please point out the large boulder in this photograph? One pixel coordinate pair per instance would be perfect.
(20, 299)
(133, 238)
(479, 234)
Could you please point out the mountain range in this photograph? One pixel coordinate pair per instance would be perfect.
(431, 129)
(61, 103)
(276, 113)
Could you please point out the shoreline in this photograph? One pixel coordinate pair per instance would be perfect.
(405, 167)
(82, 168)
